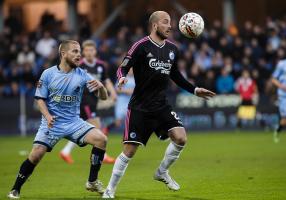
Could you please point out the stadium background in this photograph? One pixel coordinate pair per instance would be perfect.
(234, 39)
(221, 163)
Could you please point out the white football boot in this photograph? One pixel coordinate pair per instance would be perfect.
(108, 194)
(13, 194)
(166, 178)
(95, 186)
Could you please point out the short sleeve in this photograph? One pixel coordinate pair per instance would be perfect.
(42, 90)
(278, 71)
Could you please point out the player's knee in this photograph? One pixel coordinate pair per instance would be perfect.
(100, 141)
(129, 153)
(130, 150)
(37, 154)
(182, 140)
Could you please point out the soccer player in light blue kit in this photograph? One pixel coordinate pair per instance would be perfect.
(279, 80)
(58, 96)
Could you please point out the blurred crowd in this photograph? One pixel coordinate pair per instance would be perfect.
(215, 60)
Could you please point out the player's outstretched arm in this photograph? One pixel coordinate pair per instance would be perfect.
(45, 112)
(178, 78)
(204, 93)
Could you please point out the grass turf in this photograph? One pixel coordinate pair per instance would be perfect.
(213, 166)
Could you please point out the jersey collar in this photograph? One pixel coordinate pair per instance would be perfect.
(155, 43)
(89, 64)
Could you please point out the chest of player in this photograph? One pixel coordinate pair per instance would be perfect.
(158, 60)
(66, 86)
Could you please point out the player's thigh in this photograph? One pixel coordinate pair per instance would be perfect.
(46, 138)
(138, 127)
(170, 125)
(78, 130)
(96, 138)
(95, 121)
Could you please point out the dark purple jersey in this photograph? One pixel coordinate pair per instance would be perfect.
(98, 71)
(153, 65)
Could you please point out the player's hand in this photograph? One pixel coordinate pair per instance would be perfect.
(122, 81)
(51, 120)
(204, 93)
(94, 85)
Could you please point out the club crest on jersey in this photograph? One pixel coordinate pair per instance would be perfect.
(171, 55)
(133, 135)
(100, 69)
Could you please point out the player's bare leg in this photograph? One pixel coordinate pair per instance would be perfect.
(119, 168)
(27, 169)
(98, 140)
(178, 140)
(282, 124)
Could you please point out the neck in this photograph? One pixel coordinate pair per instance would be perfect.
(156, 38)
(64, 67)
(90, 60)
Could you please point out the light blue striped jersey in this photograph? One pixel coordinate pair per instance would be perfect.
(280, 75)
(63, 92)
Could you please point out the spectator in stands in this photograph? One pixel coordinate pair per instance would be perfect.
(46, 45)
(225, 82)
(26, 55)
(245, 86)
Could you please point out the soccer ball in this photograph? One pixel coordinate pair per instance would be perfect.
(191, 25)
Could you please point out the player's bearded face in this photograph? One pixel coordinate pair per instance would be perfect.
(73, 56)
(164, 28)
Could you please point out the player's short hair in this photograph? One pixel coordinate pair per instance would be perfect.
(88, 43)
(154, 17)
(64, 45)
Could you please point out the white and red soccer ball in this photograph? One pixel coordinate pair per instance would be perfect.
(191, 25)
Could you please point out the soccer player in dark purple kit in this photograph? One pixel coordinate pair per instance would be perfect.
(154, 60)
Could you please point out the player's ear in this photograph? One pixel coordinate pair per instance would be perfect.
(155, 26)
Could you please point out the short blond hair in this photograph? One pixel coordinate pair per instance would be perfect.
(88, 43)
(64, 45)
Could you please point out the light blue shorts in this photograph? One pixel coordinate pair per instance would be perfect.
(282, 106)
(73, 131)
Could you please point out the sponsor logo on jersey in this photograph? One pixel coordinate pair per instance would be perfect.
(160, 65)
(64, 98)
(150, 55)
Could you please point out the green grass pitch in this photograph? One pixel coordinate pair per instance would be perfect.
(219, 166)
